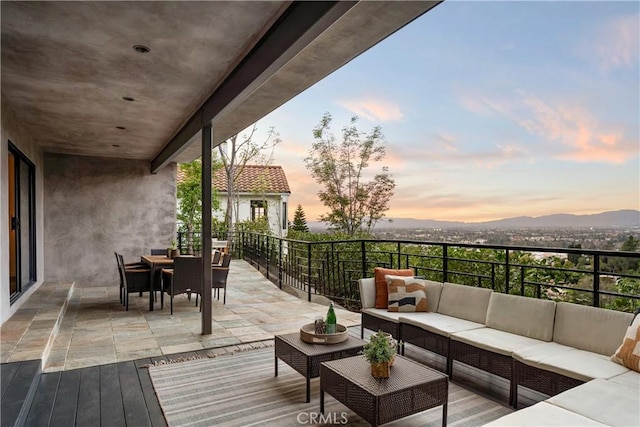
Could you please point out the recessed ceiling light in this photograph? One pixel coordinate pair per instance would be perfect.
(120, 127)
(140, 48)
(115, 145)
(128, 98)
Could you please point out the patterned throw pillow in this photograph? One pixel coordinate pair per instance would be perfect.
(406, 294)
(628, 354)
(381, 285)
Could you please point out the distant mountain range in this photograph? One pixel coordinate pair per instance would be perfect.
(621, 218)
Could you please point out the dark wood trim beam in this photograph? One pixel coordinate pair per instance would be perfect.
(298, 26)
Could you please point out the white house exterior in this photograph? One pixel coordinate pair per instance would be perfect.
(260, 190)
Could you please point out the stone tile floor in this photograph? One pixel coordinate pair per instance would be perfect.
(96, 329)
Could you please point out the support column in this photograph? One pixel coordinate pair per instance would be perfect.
(206, 228)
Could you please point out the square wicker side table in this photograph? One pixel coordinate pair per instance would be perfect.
(306, 358)
(411, 388)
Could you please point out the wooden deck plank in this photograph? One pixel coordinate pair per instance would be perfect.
(43, 401)
(111, 408)
(20, 386)
(135, 407)
(153, 407)
(88, 410)
(66, 403)
(7, 372)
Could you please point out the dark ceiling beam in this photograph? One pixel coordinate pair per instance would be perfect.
(298, 26)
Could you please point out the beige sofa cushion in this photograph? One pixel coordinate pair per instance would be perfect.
(439, 323)
(367, 292)
(525, 316)
(603, 401)
(382, 313)
(568, 361)
(494, 340)
(543, 414)
(630, 379)
(464, 302)
(590, 328)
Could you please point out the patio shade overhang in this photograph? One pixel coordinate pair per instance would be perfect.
(67, 67)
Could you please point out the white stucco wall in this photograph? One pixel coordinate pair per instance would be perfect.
(274, 210)
(11, 131)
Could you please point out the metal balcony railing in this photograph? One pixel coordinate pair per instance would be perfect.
(609, 279)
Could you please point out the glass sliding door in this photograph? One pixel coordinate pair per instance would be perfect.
(22, 236)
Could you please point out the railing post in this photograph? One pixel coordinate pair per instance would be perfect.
(445, 262)
(280, 263)
(522, 268)
(596, 280)
(506, 272)
(268, 257)
(309, 271)
(363, 254)
(399, 254)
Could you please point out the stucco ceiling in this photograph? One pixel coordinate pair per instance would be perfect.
(66, 67)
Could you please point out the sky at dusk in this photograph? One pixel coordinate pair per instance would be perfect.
(490, 110)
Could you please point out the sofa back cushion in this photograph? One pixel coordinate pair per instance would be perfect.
(464, 302)
(529, 317)
(367, 292)
(589, 328)
(382, 296)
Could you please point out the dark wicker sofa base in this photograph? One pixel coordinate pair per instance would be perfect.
(547, 382)
(488, 361)
(427, 340)
(376, 324)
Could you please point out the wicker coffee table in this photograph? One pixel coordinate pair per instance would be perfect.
(411, 388)
(305, 358)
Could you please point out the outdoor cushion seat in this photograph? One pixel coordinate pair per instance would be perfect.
(630, 379)
(544, 414)
(569, 362)
(382, 313)
(439, 323)
(528, 317)
(493, 340)
(603, 401)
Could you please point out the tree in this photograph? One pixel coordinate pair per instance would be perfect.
(189, 194)
(355, 204)
(300, 221)
(235, 155)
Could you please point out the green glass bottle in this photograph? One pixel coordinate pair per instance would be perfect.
(330, 324)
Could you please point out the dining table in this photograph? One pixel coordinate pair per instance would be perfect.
(156, 263)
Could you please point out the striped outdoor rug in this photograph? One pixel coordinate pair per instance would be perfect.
(240, 390)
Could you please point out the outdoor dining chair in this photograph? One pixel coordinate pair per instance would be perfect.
(185, 277)
(215, 260)
(129, 265)
(134, 279)
(159, 251)
(219, 277)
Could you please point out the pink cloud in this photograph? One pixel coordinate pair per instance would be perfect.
(582, 138)
(373, 109)
(616, 43)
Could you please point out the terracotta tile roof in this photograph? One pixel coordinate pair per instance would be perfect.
(270, 179)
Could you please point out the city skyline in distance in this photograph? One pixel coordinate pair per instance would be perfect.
(609, 219)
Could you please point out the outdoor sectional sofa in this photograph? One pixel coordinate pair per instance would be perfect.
(560, 349)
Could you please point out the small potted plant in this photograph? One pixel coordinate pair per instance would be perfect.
(379, 352)
(172, 251)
